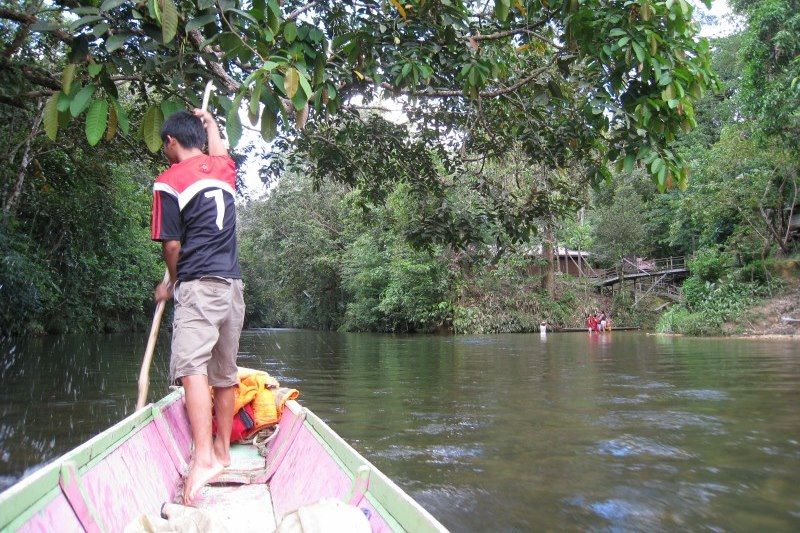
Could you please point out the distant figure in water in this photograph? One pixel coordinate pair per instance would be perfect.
(599, 321)
(591, 323)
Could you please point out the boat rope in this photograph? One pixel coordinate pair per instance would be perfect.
(268, 434)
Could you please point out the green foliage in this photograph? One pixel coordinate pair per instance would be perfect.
(587, 82)
(28, 288)
(709, 305)
(394, 288)
(320, 258)
(290, 250)
(75, 252)
(506, 297)
(709, 264)
(94, 267)
(770, 56)
(619, 226)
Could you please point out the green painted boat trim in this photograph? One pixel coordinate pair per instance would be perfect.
(387, 516)
(33, 493)
(383, 493)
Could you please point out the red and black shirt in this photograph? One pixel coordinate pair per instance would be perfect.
(193, 202)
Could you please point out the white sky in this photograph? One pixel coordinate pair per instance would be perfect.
(723, 22)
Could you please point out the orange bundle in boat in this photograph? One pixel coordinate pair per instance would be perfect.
(258, 403)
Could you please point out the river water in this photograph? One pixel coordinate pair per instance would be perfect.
(506, 432)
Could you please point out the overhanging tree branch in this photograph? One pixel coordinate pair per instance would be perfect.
(453, 93)
(24, 18)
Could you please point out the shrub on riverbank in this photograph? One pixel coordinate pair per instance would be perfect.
(76, 256)
(710, 304)
(506, 298)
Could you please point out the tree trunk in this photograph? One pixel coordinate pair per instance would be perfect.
(10, 205)
(548, 282)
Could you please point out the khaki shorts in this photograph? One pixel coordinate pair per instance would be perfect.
(209, 313)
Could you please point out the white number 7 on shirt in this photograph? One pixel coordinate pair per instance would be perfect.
(217, 196)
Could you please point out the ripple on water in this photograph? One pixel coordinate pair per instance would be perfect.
(661, 420)
(616, 510)
(625, 513)
(443, 454)
(398, 452)
(453, 428)
(457, 502)
(702, 394)
(452, 454)
(647, 385)
(619, 400)
(6, 482)
(479, 341)
(630, 445)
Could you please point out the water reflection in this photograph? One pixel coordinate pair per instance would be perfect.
(619, 431)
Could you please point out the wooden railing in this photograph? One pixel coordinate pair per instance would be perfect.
(649, 267)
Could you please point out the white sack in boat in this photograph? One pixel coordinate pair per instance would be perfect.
(325, 516)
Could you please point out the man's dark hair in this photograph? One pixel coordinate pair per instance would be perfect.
(185, 128)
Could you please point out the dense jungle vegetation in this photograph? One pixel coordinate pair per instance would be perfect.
(609, 127)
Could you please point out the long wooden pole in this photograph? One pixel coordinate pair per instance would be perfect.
(144, 372)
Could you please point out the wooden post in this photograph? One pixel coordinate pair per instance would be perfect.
(547, 252)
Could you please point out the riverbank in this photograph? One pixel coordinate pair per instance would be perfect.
(769, 318)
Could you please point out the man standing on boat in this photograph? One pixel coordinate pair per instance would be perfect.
(194, 218)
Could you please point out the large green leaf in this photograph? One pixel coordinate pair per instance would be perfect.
(45, 26)
(501, 9)
(201, 21)
(168, 107)
(305, 85)
(300, 100)
(50, 116)
(66, 78)
(290, 31)
(81, 100)
(169, 21)
(154, 8)
(255, 101)
(269, 123)
(96, 120)
(63, 102)
(83, 21)
(233, 126)
(151, 128)
(94, 69)
(630, 159)
(117, 40)
(108, 5)
(291, 82)
(319, 69)
(122, 116)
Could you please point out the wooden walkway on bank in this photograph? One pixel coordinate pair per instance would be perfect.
(662, 268)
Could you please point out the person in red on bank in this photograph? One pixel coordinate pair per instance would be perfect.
(194, 218)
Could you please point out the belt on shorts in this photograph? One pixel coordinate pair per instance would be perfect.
(218, 279)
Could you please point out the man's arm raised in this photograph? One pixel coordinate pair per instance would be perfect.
(215, 145)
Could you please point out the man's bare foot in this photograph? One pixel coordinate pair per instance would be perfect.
(197, 478)
(223, 455)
